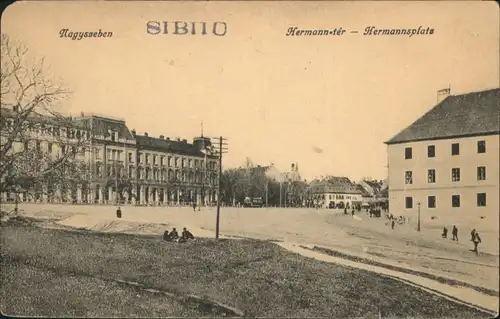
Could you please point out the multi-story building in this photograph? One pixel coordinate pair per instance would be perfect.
(335, 192)
(447, 162)
(119, 165)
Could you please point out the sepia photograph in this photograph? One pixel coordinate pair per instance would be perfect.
(270, 159)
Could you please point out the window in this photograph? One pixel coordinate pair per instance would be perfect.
(147, 159)
(481, 173)
(455, 149)
(431, 202)
(26, 146)
(481, 200)
(481, 146)
(408, 177)
(431, 151)
(109, 155)
(409, 202)
(408, 153)
(162, 160)
(455, 174)
(455, 200)
(431, 176)
(130, 157)
(49, 146)
(38, 146)
(130, 171)
(63, 149)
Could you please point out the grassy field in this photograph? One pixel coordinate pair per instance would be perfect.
(49, 272)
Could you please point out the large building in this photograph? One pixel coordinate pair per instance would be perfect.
(447, 162)
(124, 166)
(335, 192)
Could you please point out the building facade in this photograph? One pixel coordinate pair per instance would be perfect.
(447, 162)
(336, 192)
(120, 166)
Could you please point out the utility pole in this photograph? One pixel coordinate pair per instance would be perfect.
(222, 149)
(418, 222)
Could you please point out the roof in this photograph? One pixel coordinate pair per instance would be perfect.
(178, 147)
(363, 191)
(35, 117)
(103, 126)
(334, 184)
(471, 114)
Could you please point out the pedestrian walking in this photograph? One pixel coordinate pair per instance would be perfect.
(392, 224)
(194, 206)
(476, 240)
(454, 232)
(472, 233)
(119, 213)
(445, 233)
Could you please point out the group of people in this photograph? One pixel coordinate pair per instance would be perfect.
(475, 238)
(454, 233)
(173, 236)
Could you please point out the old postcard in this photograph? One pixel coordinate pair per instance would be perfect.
(250, 159)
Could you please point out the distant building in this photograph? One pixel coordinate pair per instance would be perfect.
(336, 192)
(377, 191)
(447, 161)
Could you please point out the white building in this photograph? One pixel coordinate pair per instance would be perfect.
(335, 192)
(447, 161)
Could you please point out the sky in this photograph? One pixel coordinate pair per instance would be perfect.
(326, 103)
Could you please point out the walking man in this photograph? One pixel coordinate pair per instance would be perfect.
(454, 232)
(119, 213)
(476, 240)
(472, 234)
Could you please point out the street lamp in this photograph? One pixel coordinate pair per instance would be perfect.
(418, 221)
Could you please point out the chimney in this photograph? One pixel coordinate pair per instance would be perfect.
(168, 138)
(184, 141)
(162, 137)
(133, 132)
(178, 139)
(146, 134)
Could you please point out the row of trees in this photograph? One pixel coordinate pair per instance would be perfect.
(254, 181)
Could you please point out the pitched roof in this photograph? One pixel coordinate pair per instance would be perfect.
(178, 147)
(103, 126)
(334, 184)
(463, 115)
(363, 191)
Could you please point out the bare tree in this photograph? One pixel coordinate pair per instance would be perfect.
(30, 124)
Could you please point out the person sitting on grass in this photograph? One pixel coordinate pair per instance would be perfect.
(186, 234)
(173, 234)
(166, 236)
